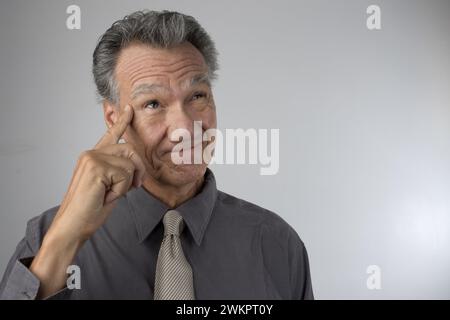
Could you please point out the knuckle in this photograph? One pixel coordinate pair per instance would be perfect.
(90, 162)
(86, 157)
(99, 180)
(97, 170)
(131, 153)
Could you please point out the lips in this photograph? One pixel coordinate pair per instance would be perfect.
(202, 145)
(198, 145)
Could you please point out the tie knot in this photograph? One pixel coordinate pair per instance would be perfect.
(173, 223)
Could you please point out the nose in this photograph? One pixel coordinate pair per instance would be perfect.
(178, 118)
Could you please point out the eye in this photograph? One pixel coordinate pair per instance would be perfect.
(198, 95)
(152, 104)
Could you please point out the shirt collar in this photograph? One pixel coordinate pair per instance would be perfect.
(148, 211)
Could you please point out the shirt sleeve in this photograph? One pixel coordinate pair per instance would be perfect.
(18, 282)
(300, 276)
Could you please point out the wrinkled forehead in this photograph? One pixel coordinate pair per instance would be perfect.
(174, 67)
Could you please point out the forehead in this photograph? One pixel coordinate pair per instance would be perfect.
(140, 63)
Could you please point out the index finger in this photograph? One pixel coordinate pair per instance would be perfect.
(114, 133)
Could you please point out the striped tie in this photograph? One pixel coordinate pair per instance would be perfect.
(173, 279)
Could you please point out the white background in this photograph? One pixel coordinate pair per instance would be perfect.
(364, 119)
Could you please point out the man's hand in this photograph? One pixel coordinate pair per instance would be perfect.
(101, 176)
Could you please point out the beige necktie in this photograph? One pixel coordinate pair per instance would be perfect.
(173, 278)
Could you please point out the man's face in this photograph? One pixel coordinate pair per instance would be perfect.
(168, 90)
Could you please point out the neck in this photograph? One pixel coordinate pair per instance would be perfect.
(170, 195)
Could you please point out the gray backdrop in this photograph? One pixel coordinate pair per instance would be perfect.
(364, 119)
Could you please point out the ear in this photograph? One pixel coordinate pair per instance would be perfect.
(110, 113)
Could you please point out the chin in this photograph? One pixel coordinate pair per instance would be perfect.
(183, 174)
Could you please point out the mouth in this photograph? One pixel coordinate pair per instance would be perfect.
(201, 144)
(199, 147)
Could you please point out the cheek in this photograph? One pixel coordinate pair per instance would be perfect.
(208, 117)
(149, 131)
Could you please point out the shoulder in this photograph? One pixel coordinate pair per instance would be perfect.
(270, 224)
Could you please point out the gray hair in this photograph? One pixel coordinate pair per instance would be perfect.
(160, 29)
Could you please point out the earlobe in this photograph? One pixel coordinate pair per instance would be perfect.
(109, 113)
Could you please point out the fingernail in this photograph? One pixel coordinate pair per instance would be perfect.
(127, 107)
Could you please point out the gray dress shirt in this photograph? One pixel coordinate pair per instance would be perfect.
(236, 249)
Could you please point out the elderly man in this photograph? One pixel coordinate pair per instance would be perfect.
(136, 224)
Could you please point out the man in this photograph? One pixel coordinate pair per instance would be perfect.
(138, 225)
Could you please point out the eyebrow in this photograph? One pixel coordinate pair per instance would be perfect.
(146, 88)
